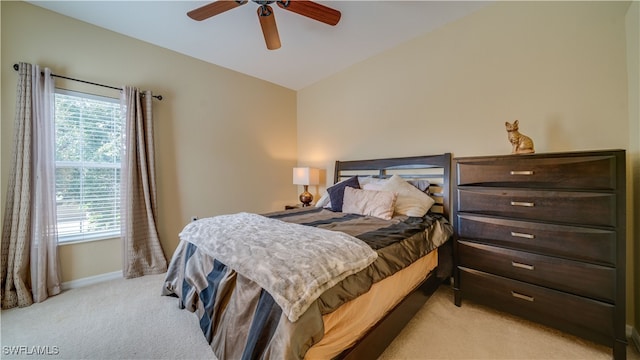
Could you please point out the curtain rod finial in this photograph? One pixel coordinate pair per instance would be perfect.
(16, 67)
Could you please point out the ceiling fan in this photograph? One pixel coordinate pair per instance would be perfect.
(309, 9)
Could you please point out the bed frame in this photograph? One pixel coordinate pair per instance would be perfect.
(436, 169)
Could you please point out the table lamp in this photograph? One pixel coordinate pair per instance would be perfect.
(306, 176)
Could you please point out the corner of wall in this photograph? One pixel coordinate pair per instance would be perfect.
(632, 29)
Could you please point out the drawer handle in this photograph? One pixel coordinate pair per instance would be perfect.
(522, 296)
(522, 235)
(521, 172)
(522, 203)
(522, 266)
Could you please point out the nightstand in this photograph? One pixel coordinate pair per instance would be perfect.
(296, 206)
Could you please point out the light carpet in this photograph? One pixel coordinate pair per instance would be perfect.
(128, 319)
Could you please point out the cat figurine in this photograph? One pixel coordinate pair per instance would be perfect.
(522, 144)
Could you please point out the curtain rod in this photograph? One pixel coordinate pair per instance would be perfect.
(16, 67)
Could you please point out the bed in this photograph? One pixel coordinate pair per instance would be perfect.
(261, 287)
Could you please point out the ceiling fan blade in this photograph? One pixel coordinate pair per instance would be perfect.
(269, 28)
(214, 8)
(312, 10)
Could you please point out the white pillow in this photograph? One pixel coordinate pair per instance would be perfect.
(324, 201)
(373, 184)
(410, 201)
(372, 187)
(370, 180)
(370, 183)
(380, 204)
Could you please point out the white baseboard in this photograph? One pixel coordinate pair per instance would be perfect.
(91, 280)
(635, 337)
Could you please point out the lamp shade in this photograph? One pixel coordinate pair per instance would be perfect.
(306, 176)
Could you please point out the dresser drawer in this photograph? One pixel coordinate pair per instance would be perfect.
(590, 208)
(575, 277)
(584, 172)
(572, 242)
(583, 317)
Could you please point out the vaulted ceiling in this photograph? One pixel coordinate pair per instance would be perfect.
(310, 50)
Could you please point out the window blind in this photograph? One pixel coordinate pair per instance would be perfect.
(88, 145)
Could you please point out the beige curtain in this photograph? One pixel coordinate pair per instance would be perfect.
(142, 251)
(29, 260)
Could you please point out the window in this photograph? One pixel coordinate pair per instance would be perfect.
(88, 143)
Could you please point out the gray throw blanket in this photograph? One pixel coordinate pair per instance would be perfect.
(294, 263)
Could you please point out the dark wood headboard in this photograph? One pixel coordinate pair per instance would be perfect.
(435, 168)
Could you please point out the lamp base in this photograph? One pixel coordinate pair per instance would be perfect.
(306, 198)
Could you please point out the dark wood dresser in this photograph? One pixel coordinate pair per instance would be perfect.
(542, 236)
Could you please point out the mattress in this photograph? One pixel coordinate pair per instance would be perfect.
(347, 324)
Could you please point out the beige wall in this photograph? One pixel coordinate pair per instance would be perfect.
(560, 68)
(225, 142)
